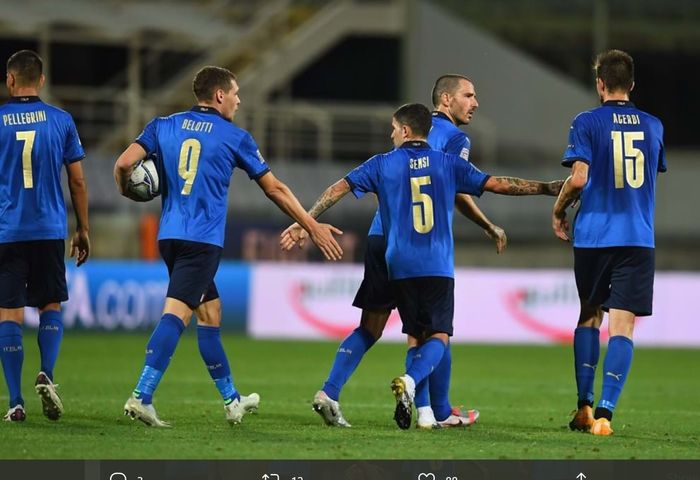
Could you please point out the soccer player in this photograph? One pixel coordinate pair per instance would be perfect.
(196, 153)
(417, 183)
(454, 100)
(614, 152)
(36, 141)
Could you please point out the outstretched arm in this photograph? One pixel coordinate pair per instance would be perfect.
(321, 234)
(295, 233)
(569, 193)
(80, 241)
(519, 186)
(468, 207)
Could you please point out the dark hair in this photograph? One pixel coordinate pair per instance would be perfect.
(417, 117)
(446, 84)
(616, 69)
(210, 79)
(26, 66)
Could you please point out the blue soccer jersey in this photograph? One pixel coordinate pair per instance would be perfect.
(445, 137)
(36, 141)
(197, 151)
(416, 187)
(624, 149)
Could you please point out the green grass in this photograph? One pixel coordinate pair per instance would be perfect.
(525, 395)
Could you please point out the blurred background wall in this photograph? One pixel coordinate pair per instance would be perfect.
(320, 79)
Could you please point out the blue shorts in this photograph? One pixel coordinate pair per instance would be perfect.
(426, 305)
(32, 273)
(375, 292)
(191, 266)
(616, 277)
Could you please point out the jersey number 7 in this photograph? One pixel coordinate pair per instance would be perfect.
(28, 138)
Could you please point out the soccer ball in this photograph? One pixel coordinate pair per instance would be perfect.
(144, 184)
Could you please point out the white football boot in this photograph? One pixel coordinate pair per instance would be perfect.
(135, 408)
(329, 410)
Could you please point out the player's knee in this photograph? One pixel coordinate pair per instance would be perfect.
(375, 322)
(55, 307)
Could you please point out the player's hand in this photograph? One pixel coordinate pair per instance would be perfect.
(80, 247)
(322, 236)
(293, 235)
(560, 225)
(553, 188)
(498, 235)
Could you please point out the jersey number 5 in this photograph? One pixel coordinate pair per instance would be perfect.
(628, 158)
(422, 205)
(28, 138)
(189, 160)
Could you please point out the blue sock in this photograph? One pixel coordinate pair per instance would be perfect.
(12, 355)
(349, 356)
(440, 386)
(49, 339)
(159, 350)
(422, 398)
(586, 354)
(214, 356)
(426, 359)
(617, 364)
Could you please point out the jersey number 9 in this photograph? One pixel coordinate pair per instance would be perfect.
(189, 160)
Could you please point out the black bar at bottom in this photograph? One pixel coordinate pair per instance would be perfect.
(350, 470)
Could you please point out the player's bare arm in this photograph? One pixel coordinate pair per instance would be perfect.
(321, 233)
(570, 192)
(519, 186)
(80, 241)
(294, 233)
(468, 207)
(125, 164)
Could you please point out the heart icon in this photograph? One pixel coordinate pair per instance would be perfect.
(426, 476)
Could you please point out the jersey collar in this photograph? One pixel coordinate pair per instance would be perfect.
(442, 115)
(25, 99)
(618, 103)
(415, 144)
(205, 109)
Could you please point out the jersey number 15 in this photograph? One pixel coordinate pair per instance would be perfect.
(627, 158)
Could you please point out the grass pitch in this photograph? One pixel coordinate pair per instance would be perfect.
(525, 395)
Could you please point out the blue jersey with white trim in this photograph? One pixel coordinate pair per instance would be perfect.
(624, 149)
(36, 141)
(416, 187)
(196, 153)
(445, 137)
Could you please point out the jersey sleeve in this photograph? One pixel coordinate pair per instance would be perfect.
(364, 178)
(580, 142)
(459, 145)
(469, 179)
(73, 149)
(148, 138)
(249, 158)
(662, 151)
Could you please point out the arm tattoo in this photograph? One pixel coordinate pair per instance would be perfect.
(566, 197)
(329, 198)
(518, 186)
